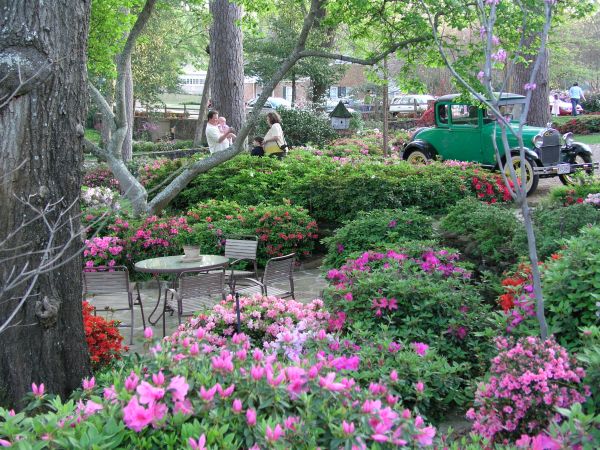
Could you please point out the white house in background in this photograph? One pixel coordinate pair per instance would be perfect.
(192, 80)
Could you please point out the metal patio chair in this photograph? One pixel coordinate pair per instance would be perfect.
(195, 290)
(111, 281)
(280, 271)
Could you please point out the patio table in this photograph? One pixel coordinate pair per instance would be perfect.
(174, 265)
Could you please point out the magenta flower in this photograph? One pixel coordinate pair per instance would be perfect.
(88, 384)
(394, 375)
(135, 416)
(251, 416)
(198, 444)
(208, 395)
(420, 348)
(38, 391)
(149, 394)
(273, 434)
(348, 428)
(237, 406)
(158, 378)
(179, 388)
(425, 436)
(5, 443)
(419, 386)
(499, 56)
(148, 333)
(131, 381)
(529, 86)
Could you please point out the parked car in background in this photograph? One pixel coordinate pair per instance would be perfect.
(465, 132)
(565, 106)
(270, 105)
(405, 104)
(331, 103)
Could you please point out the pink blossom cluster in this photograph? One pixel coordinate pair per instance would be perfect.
(530, 378)
(100, 196)
(593, 199)
(101, 251)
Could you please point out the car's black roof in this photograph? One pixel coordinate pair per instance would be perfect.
(504, 96)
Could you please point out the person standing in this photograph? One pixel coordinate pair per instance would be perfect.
(217, 140)
(576, 95)
(555, 105)
(274, 140)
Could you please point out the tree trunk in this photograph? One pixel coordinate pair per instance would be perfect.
(106, 127)
(293, 88)
(41, 132)
(127, 149)
(227, 62)
(203, 110)
(386, 108)
(539, 111)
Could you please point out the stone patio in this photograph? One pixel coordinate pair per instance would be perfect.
(308, 283)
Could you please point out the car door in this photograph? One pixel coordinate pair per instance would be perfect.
(464, 136)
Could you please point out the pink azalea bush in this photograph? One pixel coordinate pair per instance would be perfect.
(103, 251)
(188, 387)
(530, 378)
(263, 318)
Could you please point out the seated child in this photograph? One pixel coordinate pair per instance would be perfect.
(257, 148)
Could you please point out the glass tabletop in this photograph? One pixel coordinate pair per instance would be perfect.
(175, 264)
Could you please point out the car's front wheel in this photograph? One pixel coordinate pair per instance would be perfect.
(576, 159)
(532, 180)
(418, 156)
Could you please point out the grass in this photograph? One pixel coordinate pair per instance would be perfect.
(588, 138)
(92, 135)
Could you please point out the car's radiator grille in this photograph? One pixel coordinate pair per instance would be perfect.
(550, 150)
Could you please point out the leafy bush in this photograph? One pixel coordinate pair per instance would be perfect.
(196, 389)
(156, 171)
(570, 287)
(529, 378)
(100, 176)
(301, 127)
(424, 293)
(148, 147)
(589, 357)
(281, 229)
(553, 223)
(591, 103)
(375, 229)
(102, 337)
(484, 232)
(580, 125)
(569, 195)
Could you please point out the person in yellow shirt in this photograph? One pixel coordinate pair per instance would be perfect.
(274, 142)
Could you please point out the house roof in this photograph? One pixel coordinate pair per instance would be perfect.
(340, 112)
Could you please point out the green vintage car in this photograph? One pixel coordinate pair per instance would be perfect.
(464, 132)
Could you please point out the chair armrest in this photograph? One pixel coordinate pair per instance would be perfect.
(252, 280)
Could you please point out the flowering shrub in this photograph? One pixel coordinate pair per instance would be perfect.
(426, 294)
(103, 338)
(529, 378)
(571, 284)
(375, 229)
(263, 319)
(153, 238)
(569, 195)
(281, 229)
(490, 187)
(101, 176)
(155, 171)
(103, 251)
(94, 197)
(593, 199)
(190, 392)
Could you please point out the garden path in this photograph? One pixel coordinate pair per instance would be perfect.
(308, 281)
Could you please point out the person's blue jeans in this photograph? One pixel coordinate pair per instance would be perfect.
(574, 103)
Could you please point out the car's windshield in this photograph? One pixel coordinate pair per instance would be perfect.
(510, 111)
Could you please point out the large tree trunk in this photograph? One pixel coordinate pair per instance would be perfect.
(41, 132)
(227, 62)
(539, 111)
(203, 110)
(127, 149)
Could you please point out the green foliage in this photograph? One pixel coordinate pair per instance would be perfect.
(589, 356)
(553, 223)
(568, 195)
(484, 232)
(301, 127)
(374, 230)
(435, 301)
(148, 147)
(571, 287)
(281, 229)
(581, 125)
(591, 103)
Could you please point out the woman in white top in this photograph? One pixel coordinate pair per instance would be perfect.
(274, 139)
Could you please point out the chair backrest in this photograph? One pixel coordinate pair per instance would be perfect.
(241, 248)
(279, 269)
(202, 288)
(106, 280)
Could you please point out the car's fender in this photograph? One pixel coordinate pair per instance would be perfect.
(528, 153)
(418, 145)
(579, 148)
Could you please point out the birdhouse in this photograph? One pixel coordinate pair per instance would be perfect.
(340, 117)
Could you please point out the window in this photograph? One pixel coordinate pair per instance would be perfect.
(465, 115)
(341, 91)
(442, 112)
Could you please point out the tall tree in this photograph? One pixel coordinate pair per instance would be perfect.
(42, 112)
(227, 62)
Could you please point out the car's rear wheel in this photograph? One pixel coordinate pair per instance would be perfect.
(418, 157)
(532, 179)
(577, 159)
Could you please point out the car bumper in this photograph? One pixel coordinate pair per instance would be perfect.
(565, 169)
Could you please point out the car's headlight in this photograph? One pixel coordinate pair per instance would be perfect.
(568, 138)
(538, 140)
